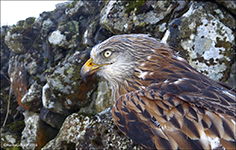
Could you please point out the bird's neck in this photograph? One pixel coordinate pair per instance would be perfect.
(147, 73)
(137, 81)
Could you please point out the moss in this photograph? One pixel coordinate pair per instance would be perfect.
(41, 50)
(91, 114)
(131, 5)
(20, 23)
(36, 78)
(97, 140)
(105, 131)
(142, 24)
(115, 11)
(67, 145)
(17, 29)
(14, 148)
(46, 60)
(62, 22)
(29, 21)
(49, 70)
(75, 26)
(16, 126)
(67, 5)
(103, 5)
(21, 59)
(69, 29)
(72, 5)
(85, 105)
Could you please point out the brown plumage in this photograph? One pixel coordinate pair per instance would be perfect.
(160, 101)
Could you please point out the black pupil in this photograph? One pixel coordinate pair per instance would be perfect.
(107, 53)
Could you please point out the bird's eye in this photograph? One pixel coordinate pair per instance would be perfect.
(107, 53)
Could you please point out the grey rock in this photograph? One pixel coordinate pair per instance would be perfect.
(56, 38)
(4, 55)
(21, 37)
(66, 36)
(127, 17)
(88, 36)
(14, 42)
(51, 102)
(43, 16)
(9, 140)
(66, 83)
(221, 13)
(28, 22)
(232, 77)
(5, 29)
(53, 119)
(29, 136)
(206, 42)
(230, 5)
(103, 99)
(36, 133)
(33, 97)
(83, 132)
(90, 109)
(101, 35)
(34, 62)
(58, 14)
(47, 26)
(63, 5)
(84, 8)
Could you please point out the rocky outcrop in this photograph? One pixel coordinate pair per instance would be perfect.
(93, 132)
(51, 107)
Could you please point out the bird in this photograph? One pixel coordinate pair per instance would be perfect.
(160, 101)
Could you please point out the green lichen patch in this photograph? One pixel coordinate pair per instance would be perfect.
(29, 21)
(16, 126)
(136, 6)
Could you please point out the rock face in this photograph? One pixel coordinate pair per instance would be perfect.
(51, 107)
(93, 132)
(205, 38)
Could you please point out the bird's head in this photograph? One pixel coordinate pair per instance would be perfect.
(132, 57)
(111, 60)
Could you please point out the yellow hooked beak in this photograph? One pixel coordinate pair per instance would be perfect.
(89, 68)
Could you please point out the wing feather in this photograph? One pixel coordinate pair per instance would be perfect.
(161, 119)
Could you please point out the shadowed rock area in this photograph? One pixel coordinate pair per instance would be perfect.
(51, 107)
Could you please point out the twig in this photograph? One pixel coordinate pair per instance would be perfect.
(5, 76)
(8, 106)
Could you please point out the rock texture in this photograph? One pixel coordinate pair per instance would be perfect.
(93, 132)
(51, 107)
